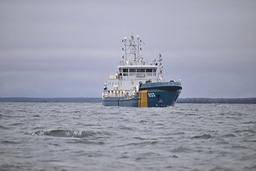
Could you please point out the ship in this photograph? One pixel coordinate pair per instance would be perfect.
(137, 83)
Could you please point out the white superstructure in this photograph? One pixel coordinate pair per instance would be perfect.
(132, 70)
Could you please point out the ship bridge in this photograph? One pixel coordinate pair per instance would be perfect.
(137, 71)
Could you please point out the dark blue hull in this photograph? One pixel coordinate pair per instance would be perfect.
(162, 98)
(120, 101)
(150, 95)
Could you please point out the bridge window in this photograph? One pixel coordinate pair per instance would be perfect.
(132, 72)
(140, 70)
(125, 72)
(149, 72)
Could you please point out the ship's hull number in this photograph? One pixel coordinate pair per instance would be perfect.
(151, 95)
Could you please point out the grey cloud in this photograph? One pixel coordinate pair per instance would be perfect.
(68, 48)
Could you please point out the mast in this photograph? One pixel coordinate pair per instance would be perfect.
(160, 67)
(132, 48)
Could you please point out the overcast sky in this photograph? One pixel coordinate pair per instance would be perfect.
(68, 48)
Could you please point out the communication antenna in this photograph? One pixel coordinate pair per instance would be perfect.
(160, 67)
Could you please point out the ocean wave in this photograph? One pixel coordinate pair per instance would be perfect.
(180, 149)
(250, 122)
(204, 136)
(3, 127)
(64, 133)
(228, 135)
(9, 142)
(251, 168)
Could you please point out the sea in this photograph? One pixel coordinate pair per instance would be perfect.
(92, 137)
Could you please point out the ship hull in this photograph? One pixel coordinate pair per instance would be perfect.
(150, 95)
(158, 98)
(120, 101)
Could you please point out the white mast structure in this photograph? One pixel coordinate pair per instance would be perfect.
(160, 68)
(132, 48)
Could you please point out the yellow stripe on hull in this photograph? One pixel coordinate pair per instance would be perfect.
(143, 101)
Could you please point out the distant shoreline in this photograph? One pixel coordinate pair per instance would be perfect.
(98, 100)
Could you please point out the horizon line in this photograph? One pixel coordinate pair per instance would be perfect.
(179, 97)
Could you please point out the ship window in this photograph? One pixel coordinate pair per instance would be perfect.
(140, 70)
(149, 72)
(140, 73)
(132, 72)
(125, 72)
